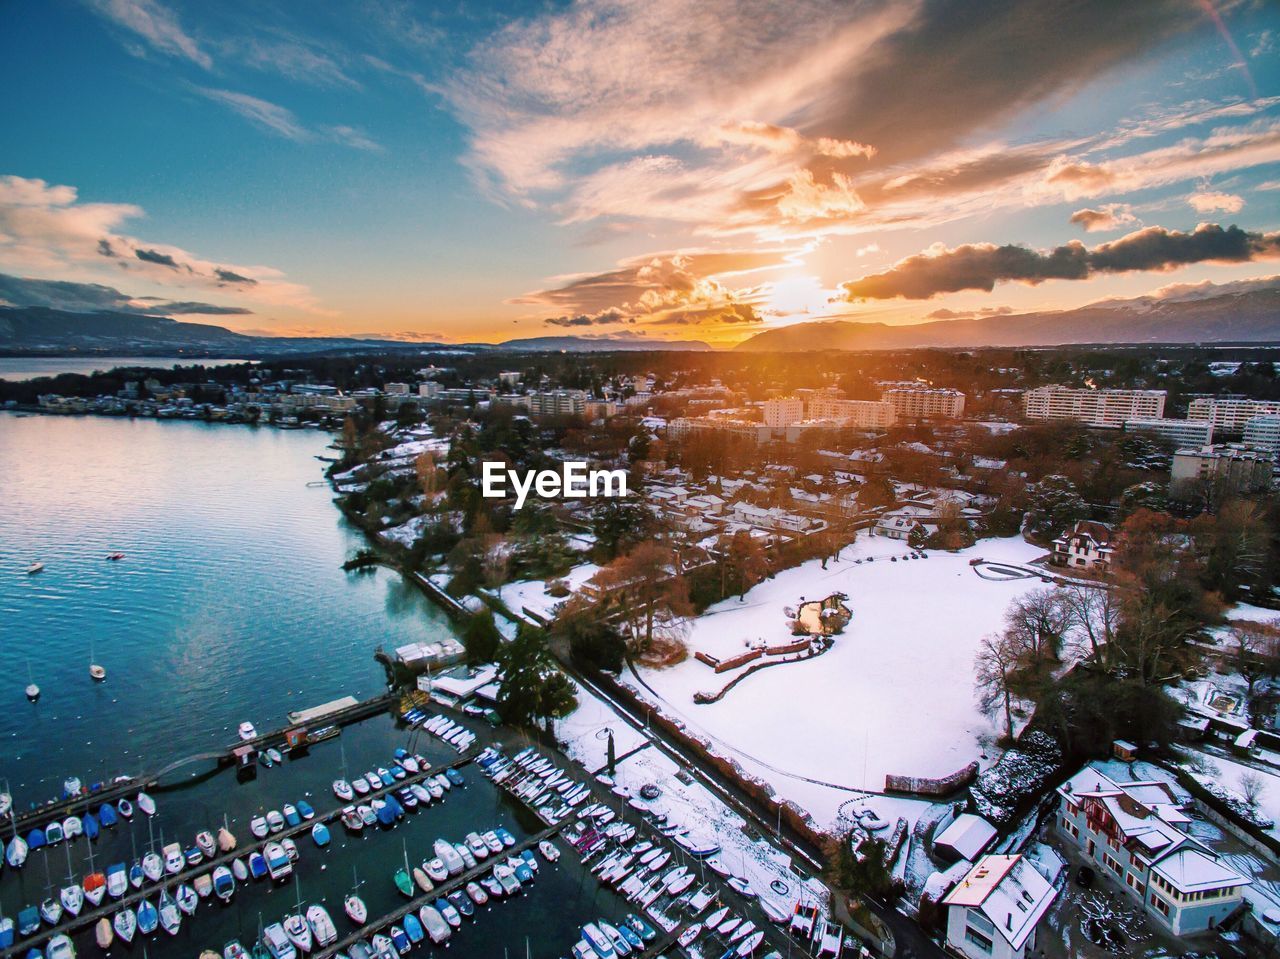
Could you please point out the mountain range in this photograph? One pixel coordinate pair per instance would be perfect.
(1250, 316)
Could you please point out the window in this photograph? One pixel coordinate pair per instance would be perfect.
(978, 939)
(1160, 904)
(1112, 864)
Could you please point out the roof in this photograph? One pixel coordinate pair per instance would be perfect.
(1189, 870)
(1009, 891)
(968, 835)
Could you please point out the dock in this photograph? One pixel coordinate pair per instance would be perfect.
(110, 907)
(338, 713)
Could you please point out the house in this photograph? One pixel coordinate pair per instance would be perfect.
(900, 523)
(1133, 831)
(1087, 545)
(994, 912)
(965, 837)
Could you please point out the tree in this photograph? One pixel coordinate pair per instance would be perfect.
(995, 668)
(953, 532)
(1251, 787)
(1149, 495)
(1055, 506)
(743, 562)
(876, 491)
(646, 590)
(1036, 624)
(1256, 651)
(618, 523)
(918, 538)
(858, 866)
(480, 638)
(591, 640)
(530, 687)
(1092, 617)
(1233, 546)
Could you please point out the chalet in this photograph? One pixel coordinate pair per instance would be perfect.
(1134, 832)
(995, 911)
(1087, 545)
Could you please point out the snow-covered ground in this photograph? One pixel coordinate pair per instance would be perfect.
(894, 694)
(687, 802)
(532, 594)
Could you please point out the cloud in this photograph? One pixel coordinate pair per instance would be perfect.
(1110, 216)
(93, 297)
(583, 319)
(294, 58)
(981, 266)
(282, 122)
(46, 229)
(1211, 202)
(867, 250)
(157, 25)
(945, 314)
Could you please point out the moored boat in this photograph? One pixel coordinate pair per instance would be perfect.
(125, 923)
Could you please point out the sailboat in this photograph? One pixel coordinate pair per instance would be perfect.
(402, 880)
(96, 672)
(125, 924)
(71, 895)
(295, 924)
(353, 905)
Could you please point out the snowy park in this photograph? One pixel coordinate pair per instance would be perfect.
(894, 695)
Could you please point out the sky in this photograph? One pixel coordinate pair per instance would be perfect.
(662, 169)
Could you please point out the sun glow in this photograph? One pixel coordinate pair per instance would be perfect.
(798, 295)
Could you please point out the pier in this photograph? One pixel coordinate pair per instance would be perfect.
(90, 916)
(129, 786)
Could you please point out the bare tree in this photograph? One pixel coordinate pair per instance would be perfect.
(1037, 622)
(994, 670)
(1092, 615)
(1251, 787)
(1256, 651)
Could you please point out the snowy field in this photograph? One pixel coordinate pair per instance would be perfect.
(894, 695)
(532, 594)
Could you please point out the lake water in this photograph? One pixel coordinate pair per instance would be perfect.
(229, 605)
(18, 368)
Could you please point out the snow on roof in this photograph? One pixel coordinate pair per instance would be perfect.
(1190, 870)
(967, 835)
(1009, 891)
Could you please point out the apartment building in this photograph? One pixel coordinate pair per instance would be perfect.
(829, 407)
(1182, 432)
(1109, 408)
(1263, 432)
(691, 425)
(547, 402)
(924, 403)
(782, 412)
(1231, 467)
(1132, 831)
(995, 911)
(1230, 414)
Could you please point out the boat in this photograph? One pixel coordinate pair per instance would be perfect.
(468, 860)
(97, 673)
(383, 948)
(247, 731)
(351, 819)
(274, 755)
(275, 821)
(451, 915)
(258, 826)
(422, 880)
(115, 557)
(729, 925)
(148, 917)
(681, 884)
(33, 568)
(477, 894)
(95, 887)
(360, 785)
(125, 808)
(152, 867)
(15, 853)
(51, 911)
(291, 816)
(60, 947)
(205, 843)
(298, 931)
(320, 834)
(438, 930)
(436, 869)
(106, 815)
(772, 912)
(145, 803)
(170, 915)
(72, 787)
(235, 950)
(744, 931)
(507, 879)
(641, 928)
(28, 921)
(400, 939)
(72, 899)
(367, 816)
(385, 814)
(342, 789)
(478, 849)
(549, 851)
(620, 945)
(90, 824)
(413, 928)
(505, 836)
(462, 902)
(598, 941)
(226, 840)
(305, 810)
(265, 758)
(277, 861)
(203, 885)
(125, 923)
(290, 848)
(187, 899)
(716, 917)
(689, 935)
(277, 942)
(355, 909)
(322, 927)
(117, 880)
(103, 933)
(173, 858)
(741, 886)
(239, 869)
(258, 865)
(493, 842)
(224, 883)
(53, 834)
(750, 944)
(404, 883)
(136, 875)
(449, 856)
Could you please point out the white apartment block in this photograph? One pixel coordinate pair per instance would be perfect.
(923, 403)
(1236, 467)
(779, 413)
(1182, 432)
(1110, 408)
(1230, 415)
(862, 414)
(1263, 431)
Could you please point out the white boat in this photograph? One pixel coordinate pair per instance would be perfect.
(203, 884)
(277, 942)
(239, 870)
(51, 911)
(224, 883)
(125, 809)
(125, 924)
(187, 899)
(258, 826)
(15, 854)
(744, 931)
(598, 941)
(322, 927)
(173, 858)
(72, 898)
(355, 909)
(437, 929)
(298, 931)
(342, 789)
(72, 827)
(60, 947)
(689, 935)
(774, 913)
(716, 917)
(729, 925)
(33, 692)
(146, 804)
(449, 856)
(152, 866)
(278, 864)
(750, 944)
(170, 915)
(275, 821)
(247, 732)
(741, 886)
(549, 851)
(205, 843)
(507, 879)
(34, 568)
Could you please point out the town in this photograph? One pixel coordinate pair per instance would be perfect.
(1040, 584)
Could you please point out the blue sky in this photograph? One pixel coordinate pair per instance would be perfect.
(617, 167)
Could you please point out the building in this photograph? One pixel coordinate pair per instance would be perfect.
(1263, 432)
(509, 379)
(1132, 831)
(1182, 432)
(1110, 408)
(780, 413)
(965, 837)
(1230, 414)
(924, 402)
(690, 425)
(396, 389)
(994, 912)
(860, 414)
(1228, 467)
(1087, 545)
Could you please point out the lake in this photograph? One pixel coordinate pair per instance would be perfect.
(18, 368)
